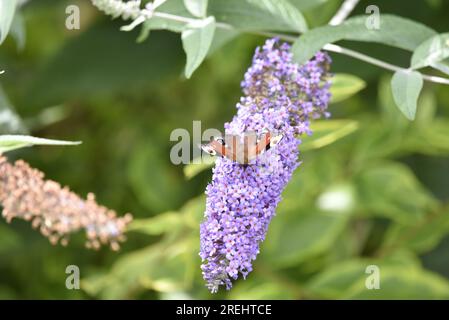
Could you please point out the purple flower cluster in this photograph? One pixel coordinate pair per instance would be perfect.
(280, 96)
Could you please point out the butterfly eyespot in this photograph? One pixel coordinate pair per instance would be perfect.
(208, 149)
(220, 139)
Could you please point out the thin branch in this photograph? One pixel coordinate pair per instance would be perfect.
(360, 56)
(118, 8)
(344, 11)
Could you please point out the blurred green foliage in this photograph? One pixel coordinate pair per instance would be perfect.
(373, 187)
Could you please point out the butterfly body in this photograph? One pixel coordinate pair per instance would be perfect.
(242, 149)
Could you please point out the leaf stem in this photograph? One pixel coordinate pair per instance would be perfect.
(385, 65)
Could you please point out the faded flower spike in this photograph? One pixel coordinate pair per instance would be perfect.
(56, 211)
(280, 96)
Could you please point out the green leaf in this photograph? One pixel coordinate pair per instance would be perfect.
(261, 289)
(344, 278)
(10, 122)
(344, 86)
(7, 10)
(304, 5)
(326, 132)
(189, 216)
(196, 41)
(258, 14)
(198, 8)
(158, 225)
(12, 142)
(394, 31)
(403, 283)
(421, 237)
(406, 86)
(18, 31)
(391, 190)
(431, 51)
(221, 38)
(192, 169)
(174, 7)
(293, 237)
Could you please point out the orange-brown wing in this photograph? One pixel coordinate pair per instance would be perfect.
(214, 148)
(264, 141)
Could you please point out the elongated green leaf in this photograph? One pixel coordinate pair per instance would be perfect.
(344, 86)
(7, 10)
(12, 142)
(198, 8)
(394, 31)
(258, 14)
(326, 132)
(431, 51)
(158, 225)
(406, 86)
(196, 41)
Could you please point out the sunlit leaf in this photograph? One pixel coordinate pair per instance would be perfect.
(326, 132)
(192, 169)
(12, 142)
(158, 225)
(344, 86)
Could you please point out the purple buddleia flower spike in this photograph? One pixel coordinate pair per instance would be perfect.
(280, 96)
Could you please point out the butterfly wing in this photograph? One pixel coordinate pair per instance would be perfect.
(215, 147)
